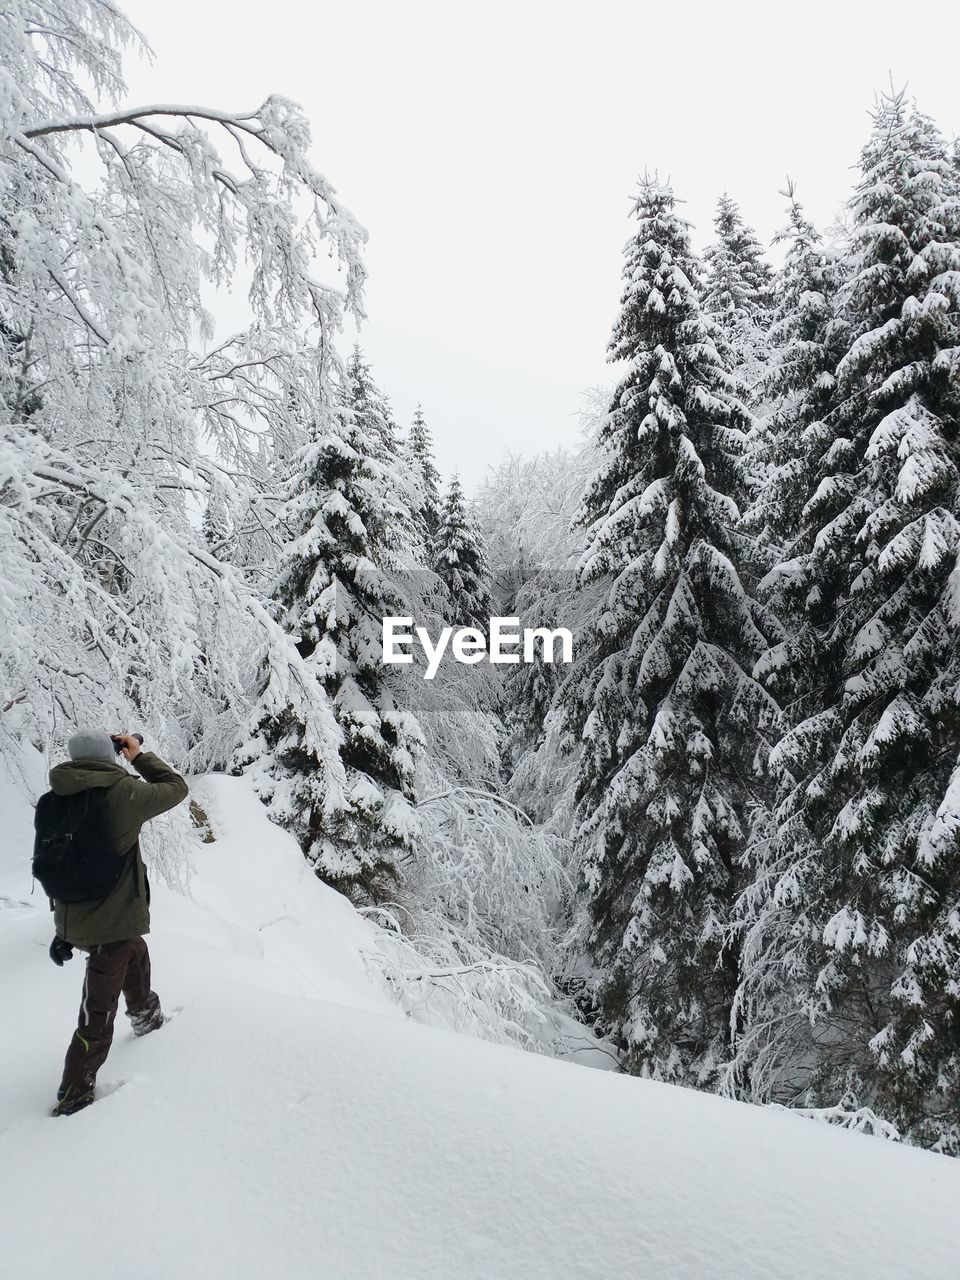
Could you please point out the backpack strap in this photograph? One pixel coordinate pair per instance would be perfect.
(132, 854)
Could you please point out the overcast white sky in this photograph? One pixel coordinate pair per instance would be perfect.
(490, 149)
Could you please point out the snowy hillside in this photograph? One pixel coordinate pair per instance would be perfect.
(290, 1122)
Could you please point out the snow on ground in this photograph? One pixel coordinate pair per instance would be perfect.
(290, 1122)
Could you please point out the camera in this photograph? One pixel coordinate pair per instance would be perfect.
(118, 742)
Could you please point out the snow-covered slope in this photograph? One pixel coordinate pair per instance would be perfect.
(290, 1122)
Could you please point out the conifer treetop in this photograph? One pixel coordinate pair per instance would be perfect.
(459, 560)
(676, 387)
(739, 279)
(419, 451)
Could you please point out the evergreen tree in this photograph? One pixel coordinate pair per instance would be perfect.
(805, 344)
(737, 289)
(459, 560)
(398, 490)
(332, 594)
(419, 452)
(738, 280)
(673, 724)
(807, 341)
(803, 323)
(865, 852)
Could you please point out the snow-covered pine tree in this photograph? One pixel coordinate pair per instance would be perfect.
(331, 595)
(806, 341)
(419, 453)
(674, 725)
(865, 857)
(459, 560)
(738, 280)
(737, 291)
(399, 490)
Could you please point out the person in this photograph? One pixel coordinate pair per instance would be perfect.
(111, 931)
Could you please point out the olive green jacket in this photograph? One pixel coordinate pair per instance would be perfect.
(127, 805)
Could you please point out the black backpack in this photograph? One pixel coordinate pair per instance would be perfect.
(73, 856)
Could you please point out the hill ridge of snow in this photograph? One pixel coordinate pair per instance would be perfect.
(290, 1121)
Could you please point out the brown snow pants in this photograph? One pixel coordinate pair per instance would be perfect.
(112, 967)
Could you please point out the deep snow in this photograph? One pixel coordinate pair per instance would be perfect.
(290, 1122)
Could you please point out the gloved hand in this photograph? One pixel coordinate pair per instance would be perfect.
(60, 951)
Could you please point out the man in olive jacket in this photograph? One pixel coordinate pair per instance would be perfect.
(111, 930)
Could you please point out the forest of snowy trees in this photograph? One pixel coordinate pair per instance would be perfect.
(727, 836)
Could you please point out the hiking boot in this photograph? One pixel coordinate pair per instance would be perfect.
(146, 1021)
(71, 1099)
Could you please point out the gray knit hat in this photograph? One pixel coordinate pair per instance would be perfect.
(91, 744)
